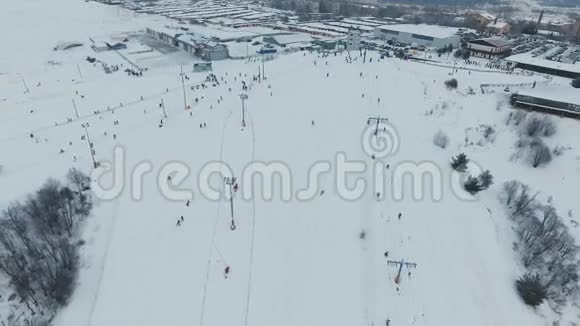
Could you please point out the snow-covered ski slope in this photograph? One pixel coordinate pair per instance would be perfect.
(291, 262)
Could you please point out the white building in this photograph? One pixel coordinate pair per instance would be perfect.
(353, 39)
(426, 35)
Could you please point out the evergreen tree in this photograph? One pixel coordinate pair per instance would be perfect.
(485, 179)
(459, 163)
(466, 54)
(531, 289)
(472, 185)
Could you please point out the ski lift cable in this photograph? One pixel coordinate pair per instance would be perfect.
(85, 117)
(104, 260)
(253, 231)
(214, 232)
(53, 157)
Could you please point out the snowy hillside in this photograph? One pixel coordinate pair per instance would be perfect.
(292, 261)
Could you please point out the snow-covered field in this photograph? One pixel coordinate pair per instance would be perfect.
(291, 262)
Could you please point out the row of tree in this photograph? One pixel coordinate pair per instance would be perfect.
(39, 243)
(546, 248)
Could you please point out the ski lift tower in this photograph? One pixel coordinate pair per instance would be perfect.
(231, 182)
(243, 97)
(400, 264)
(378, 120)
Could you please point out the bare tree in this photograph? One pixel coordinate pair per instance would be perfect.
(38, 251)
(539, 153)
(510, 189)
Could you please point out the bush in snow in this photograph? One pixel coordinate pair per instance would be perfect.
(519, 116)
(549, 128)
(362, 235)
(474, 185)
(440, 139)
(557, 151)
(488, 132)
(459, 163)
(451, 83)
(531, 290)
(576, 83)
(539, 153)
(539, 126)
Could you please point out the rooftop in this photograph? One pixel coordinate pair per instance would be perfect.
(526, 58)
(422, 29)
(567, 94)
(494, 41)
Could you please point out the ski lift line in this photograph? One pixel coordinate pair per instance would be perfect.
(214, 231)
(27, 101)
(104, 259)
(126, 131)
(220, 254)
(54, 156)
(253, 230)
(92, 115)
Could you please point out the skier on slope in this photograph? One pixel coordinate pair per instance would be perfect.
(226, 272)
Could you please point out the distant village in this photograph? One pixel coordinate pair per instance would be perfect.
(544, 42)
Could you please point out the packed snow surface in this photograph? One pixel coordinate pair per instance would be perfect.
(291, 262)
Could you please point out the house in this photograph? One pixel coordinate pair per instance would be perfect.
(206, 48)
(213, 51)
(427, 35)
(492, 47)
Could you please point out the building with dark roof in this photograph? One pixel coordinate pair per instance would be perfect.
(541, 65)
(493, 47)
(563, 101)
